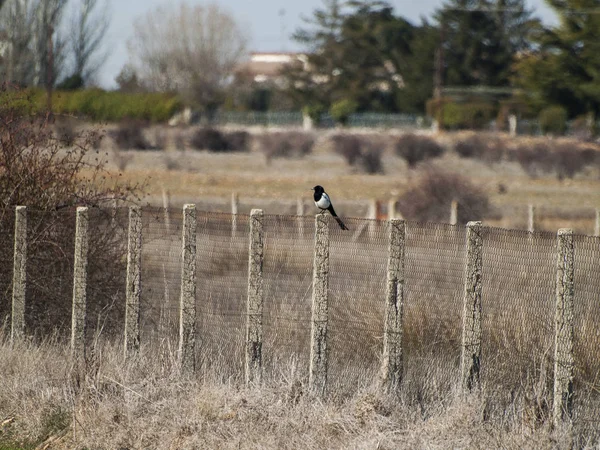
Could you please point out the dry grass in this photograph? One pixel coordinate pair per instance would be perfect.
(203, 175)
(144, 403)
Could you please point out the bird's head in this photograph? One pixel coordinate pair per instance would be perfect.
(318, 189)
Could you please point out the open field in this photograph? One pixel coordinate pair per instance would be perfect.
(144, 402)
(210, 178)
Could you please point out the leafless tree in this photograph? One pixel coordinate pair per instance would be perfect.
(17, 19)
(48, 64)
(29, 27)
(89, 25)
(191, 49)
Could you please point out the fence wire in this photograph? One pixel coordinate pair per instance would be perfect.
(518, 305)
(357, 282)
(7, 237)
(287, 271)
(435, 267)
(518, 300)
(586, 339)
(221, 293)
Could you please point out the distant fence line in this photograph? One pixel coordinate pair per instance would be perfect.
(296, 119)
(370, 120)
(377, 210)
(471, 361)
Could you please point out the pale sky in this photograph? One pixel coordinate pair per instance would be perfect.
(269, 23)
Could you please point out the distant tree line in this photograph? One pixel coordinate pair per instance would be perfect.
(472, 61)
(494, 55)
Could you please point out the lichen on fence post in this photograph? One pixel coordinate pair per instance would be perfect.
(133, 286)
(254, 316)
(470, 361)
(318, 336)
(392, 364)
(17, 323)
(187, 304)
(563, 334)
(78, 316)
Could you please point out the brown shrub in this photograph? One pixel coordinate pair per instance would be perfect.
(44, 174)
(348, 146)
(565, 160)
(487, 149)
(130, 135)
(364, 152)
(286, 144)
(208, 138)
(414, 149)
(430, 197)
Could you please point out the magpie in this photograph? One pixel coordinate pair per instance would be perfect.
(323, 202)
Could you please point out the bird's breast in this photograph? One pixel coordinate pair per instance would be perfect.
(323, 202)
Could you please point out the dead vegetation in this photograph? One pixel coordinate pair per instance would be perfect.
(143, 403)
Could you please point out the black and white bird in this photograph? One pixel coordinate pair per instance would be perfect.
(323, 202)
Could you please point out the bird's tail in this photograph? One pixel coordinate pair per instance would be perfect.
(340, 223)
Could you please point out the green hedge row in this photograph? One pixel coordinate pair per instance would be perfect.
(99, 105)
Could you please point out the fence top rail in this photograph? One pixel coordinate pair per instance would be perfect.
(486, 229)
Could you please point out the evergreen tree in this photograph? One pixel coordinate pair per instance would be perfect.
(365, 54)
(565, 68)
(480, 39)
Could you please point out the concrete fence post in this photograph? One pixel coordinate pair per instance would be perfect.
(453, 212)
(254, 315)
(235, 206)
(563, 332)
(187, 302)
(597, 223)
(531, 218)
(372, 216)
(78, 315)
(133, 288)
(392, 364)
(17, 320)
(471, 333)
(318, 334)
(392, 213)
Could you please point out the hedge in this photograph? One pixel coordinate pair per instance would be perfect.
(100, 105)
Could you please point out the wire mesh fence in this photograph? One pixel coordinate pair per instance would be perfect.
(518, 300)
(586, 339)
(518, 309)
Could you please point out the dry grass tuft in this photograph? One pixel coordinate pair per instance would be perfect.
(143, 403)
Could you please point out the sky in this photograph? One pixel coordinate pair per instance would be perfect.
(269, 23)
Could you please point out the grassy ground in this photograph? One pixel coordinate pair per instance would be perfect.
(46, 402)
(191, 176)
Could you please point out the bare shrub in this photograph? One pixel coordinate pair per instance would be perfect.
(430, 197)
(564, 160)
(485, 148)
(207, 138)
(50, 178)
(238, 140)
(348, 146)
(414, 148)
(291, 144)
(371, 160)
(129, 135)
